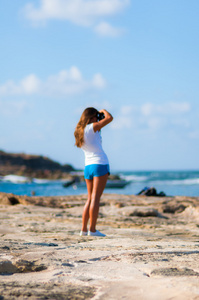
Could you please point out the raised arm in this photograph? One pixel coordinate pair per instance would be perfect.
(108, 118)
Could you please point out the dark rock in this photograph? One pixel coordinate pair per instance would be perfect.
(151, 191)
(146, 212)
(42, 291)
(174, 272)
(7, 267)
(20, 266)
(5, 248)
(24, 266)
(173, 208)
(13, 200)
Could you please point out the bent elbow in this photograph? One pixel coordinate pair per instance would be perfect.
(109, 119)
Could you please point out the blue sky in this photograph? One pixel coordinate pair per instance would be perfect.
(137, 59)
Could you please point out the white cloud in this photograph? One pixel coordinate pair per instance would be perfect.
(153, 117)
(30, 84)
(147, 109)
(27, 85)
(179, 108)
(105, 29)
(168, 108)
(121, 122)
(98, 81)
(66, 82)
(164, 115)
(80, 12)
(124, 120)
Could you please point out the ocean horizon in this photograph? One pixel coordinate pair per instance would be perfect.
(172, 183)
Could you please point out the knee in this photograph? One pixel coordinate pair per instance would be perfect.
(88, 199)
(94, 199)
(88, 202)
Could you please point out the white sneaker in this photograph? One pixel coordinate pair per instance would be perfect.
(83, 233)
(96, 233)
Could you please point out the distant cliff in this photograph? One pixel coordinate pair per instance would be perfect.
(32, 166)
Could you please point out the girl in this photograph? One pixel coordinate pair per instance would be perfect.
(87, 136)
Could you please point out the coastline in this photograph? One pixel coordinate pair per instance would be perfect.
(151, 248)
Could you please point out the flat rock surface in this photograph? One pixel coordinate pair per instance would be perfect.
(151, 248)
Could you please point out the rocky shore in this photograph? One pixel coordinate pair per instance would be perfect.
(151, 248)
(33, 166)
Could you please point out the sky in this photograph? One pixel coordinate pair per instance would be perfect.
(136, 58)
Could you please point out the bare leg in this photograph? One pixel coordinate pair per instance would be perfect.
(85, 215)
(99, 184)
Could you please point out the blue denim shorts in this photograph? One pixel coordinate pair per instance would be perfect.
(96, 170)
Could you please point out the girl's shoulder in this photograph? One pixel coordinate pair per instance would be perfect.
(89, 128)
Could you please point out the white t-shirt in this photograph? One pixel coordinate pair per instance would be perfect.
(92, 147)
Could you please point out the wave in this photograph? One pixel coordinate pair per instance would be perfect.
(134, 178)
(190, 181)
(40, 181)
(166, 178)
(193, 181)
(15, 179)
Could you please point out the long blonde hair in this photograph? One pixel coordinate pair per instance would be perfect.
(87, 114)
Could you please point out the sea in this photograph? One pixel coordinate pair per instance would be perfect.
(172, 183)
